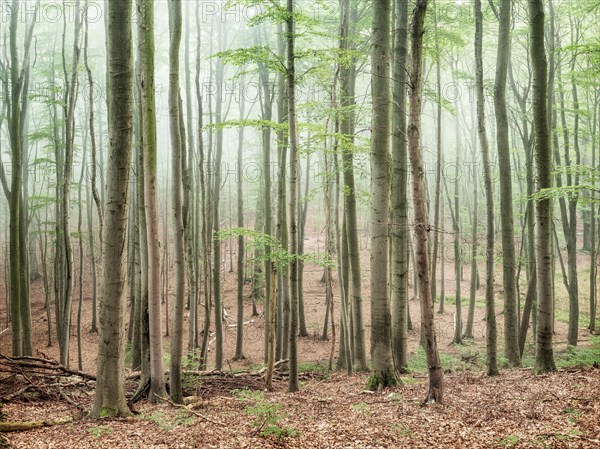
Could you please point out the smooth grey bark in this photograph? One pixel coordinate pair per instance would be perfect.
(175, 26)
(110, 378)
(438, 164)
(205, 226)
(490, 313)
(399, 201)
(93, 180)
(16, 93)
(150, 239)
(347, 76)
(64, 249)
(511, 347)
(544, 359)
(382, 370)
(239, 341)
(293, 223)
(436, 377)
(216, 196)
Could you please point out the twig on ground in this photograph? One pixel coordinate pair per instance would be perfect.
(193, 412)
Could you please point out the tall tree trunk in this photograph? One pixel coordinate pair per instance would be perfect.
(146, 51)
(205, 226)
(64, 247)
(293, 206)
(175, 24)
(422, 228)
(399, 203)
(93, 180)
(490, 313)
(438, 164)
(16, 114)
(110, 387)
(216, 185)
(511, 347)
(347, 125)
(544, 358)
(239, 341)
(382, 372)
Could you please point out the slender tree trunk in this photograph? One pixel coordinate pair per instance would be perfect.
(218, 300)
(146, 42)
(511, 347)
(205, 225)
(399, 203)
(293, 224)
(490, 313)
(422, 228)
(239, 342)
(347, 125)
(93, 180)
(438, 165)
(175, 24)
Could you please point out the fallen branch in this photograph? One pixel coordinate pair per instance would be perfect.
(36, 363)
(188, 409)
(232, 325)
(29, 425)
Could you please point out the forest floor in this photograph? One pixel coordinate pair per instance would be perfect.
(332, 410)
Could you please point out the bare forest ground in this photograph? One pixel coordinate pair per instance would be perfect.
(515, 409)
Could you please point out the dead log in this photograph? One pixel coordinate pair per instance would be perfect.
(18, 426)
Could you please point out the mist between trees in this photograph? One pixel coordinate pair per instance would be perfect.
(306, 163)
(249, 92)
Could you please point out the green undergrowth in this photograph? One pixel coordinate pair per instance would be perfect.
(472, 357)
(266, 415)
(466, 360)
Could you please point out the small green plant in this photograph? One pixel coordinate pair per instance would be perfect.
(184, 419)
(159, 418)
(402, 430)
(266, 415)
(107, 412)
(573, 414)
(509, 441)
(395, 397)
(408, 380)
(97, 432)
(570, 434)
(362, 408)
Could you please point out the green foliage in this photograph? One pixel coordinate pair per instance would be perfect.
(361, 408)
(451, 299)
(257, 53)
(417, 363)
(377, 382)
(579, 356)
(573, 414)
(315, 367)
(183, 418)
(509, 441)
(277, 254)
(266, 415)
(402, 430)
(588, 177)
(107, 412)
(97, 432)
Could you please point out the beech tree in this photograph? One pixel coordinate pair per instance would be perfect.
(382, 372)
(149, 198)
(544, 356)
(110, 377)
(422, 228)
